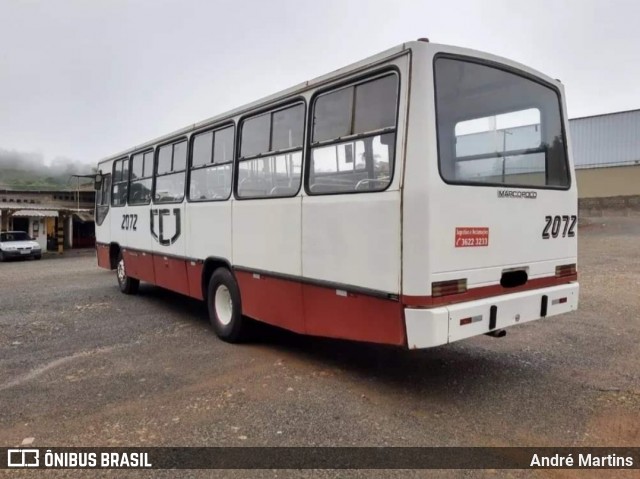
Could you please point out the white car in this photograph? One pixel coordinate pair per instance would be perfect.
(18, 244)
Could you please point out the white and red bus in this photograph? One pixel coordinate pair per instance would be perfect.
(418, 197)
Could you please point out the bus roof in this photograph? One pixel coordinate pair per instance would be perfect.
(265, 101)
(315, 82)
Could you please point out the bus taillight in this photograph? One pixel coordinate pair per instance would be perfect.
(444, 288)
(566, 270)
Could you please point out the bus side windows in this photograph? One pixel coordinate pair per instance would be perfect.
(211, 165)
(366, 113)
(170, 173)
(270, 163)
(141, 177)
(120, 182)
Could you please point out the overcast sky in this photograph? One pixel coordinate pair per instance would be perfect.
(85, 79)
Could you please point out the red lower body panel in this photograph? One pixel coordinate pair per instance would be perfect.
(102, 252)
(146, 270)
(139, 264)
(194, 275)
(171, 273)
(336, 314)
(176, 274)
(272, 300)
(286, 303)
(321, 311)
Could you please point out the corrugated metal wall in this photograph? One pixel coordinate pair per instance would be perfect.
(606, 140)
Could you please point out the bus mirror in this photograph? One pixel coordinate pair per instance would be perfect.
(97, 182)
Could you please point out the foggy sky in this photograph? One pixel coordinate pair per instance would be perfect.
(86, 79)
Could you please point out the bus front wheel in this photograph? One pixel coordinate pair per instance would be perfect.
(127, 285)
(225, 308)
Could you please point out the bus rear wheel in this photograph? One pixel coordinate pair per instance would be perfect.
(127, 285)
(225, 308)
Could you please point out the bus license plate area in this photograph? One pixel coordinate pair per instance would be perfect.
(473, 318)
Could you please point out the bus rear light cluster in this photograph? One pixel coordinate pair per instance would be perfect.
(566, 270)
(445, 288)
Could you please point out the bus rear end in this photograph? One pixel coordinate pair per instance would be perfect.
(490, 202)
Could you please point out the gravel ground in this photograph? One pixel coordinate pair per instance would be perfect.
(83, 365)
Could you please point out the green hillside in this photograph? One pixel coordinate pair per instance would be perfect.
(12, 178)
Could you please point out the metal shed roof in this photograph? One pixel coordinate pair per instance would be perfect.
(36, 213)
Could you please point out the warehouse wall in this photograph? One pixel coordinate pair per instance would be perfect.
(606, 152)
(610, 139)
(608, 182)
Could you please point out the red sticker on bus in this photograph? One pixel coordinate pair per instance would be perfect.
(471, 236)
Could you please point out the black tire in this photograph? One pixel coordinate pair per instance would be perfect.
(38, 257)
(1, 257)
(225, 307)
(127, 285)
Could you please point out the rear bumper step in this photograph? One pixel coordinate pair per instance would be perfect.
(436, 326)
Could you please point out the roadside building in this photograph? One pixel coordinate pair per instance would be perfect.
(56, 219)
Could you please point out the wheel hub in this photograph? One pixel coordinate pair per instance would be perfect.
(122, 275)
(223, 304)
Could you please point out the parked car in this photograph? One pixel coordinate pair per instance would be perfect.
(18, 244)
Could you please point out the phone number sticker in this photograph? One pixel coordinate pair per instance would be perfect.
(471, 236)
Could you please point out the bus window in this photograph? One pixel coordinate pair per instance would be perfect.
(102, 195)
(366, 114)
(498, 128)
(255, 135)
(270, 163)
(141, 178)
(120, 182)
(170, 172)
(211, 165)
(102, 199)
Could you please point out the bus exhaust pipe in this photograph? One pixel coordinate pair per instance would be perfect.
(498, 333)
